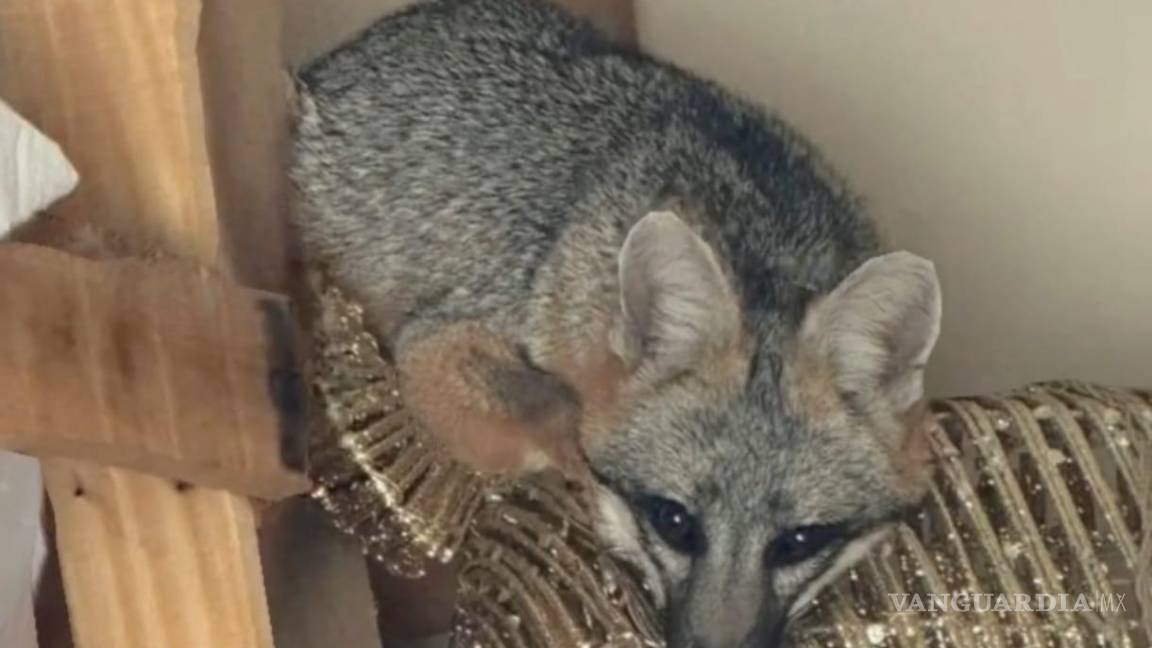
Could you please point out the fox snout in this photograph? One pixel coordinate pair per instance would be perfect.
(728, 622)
(727, 603)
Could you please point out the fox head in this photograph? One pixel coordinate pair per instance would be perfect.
(740, 458)
(742, 476)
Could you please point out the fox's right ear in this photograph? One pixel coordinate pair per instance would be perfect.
(676, 303)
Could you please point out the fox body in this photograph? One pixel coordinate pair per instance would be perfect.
(586, 259)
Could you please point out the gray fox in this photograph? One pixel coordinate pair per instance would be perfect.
(585, 259)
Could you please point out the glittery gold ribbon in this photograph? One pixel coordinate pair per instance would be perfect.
(375, 471)
(1038, 492)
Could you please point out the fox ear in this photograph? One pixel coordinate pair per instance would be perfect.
(877, 329)
(676, 303)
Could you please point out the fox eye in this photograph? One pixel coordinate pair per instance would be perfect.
(674, 523)
(801, 543)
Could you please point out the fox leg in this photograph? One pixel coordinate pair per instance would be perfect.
(491, 408)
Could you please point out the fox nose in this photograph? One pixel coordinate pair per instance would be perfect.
(774, 641)
(772, 637)
(735, 624)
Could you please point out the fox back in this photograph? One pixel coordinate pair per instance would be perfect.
(629, 273)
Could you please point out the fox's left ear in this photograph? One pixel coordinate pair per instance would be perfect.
(676, 303)
(875, 331)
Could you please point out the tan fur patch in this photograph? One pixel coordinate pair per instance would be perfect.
(812, 396)
(452, 381)
(608, 388)
(599, 378)
(913, 458)
(727, 367)
(810, 389)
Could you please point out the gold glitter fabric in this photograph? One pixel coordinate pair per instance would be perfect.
(376, 473)
(1033, 534)
(533, 575)
(1030, 536)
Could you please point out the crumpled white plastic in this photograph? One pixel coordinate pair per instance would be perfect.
(33, 170)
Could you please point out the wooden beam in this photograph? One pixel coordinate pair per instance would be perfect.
(177, 566)
(152, 366)
(246, 120)
(116, 83)
(315, 576)
(119, 84)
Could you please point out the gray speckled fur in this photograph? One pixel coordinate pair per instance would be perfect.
(447, 153)
(484, 160)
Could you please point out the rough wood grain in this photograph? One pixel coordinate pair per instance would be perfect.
(119, 84)
(176, 566)
(147, 365)
(246, 119)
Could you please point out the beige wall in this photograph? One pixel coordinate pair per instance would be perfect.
(312, 27)
(1011, 142)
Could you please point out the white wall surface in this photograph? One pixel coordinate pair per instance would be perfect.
(1011, 142)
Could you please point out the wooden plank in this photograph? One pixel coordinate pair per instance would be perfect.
(118, 84)
(177, 566)
(148, 365)
(315, 576)
(246, 114)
